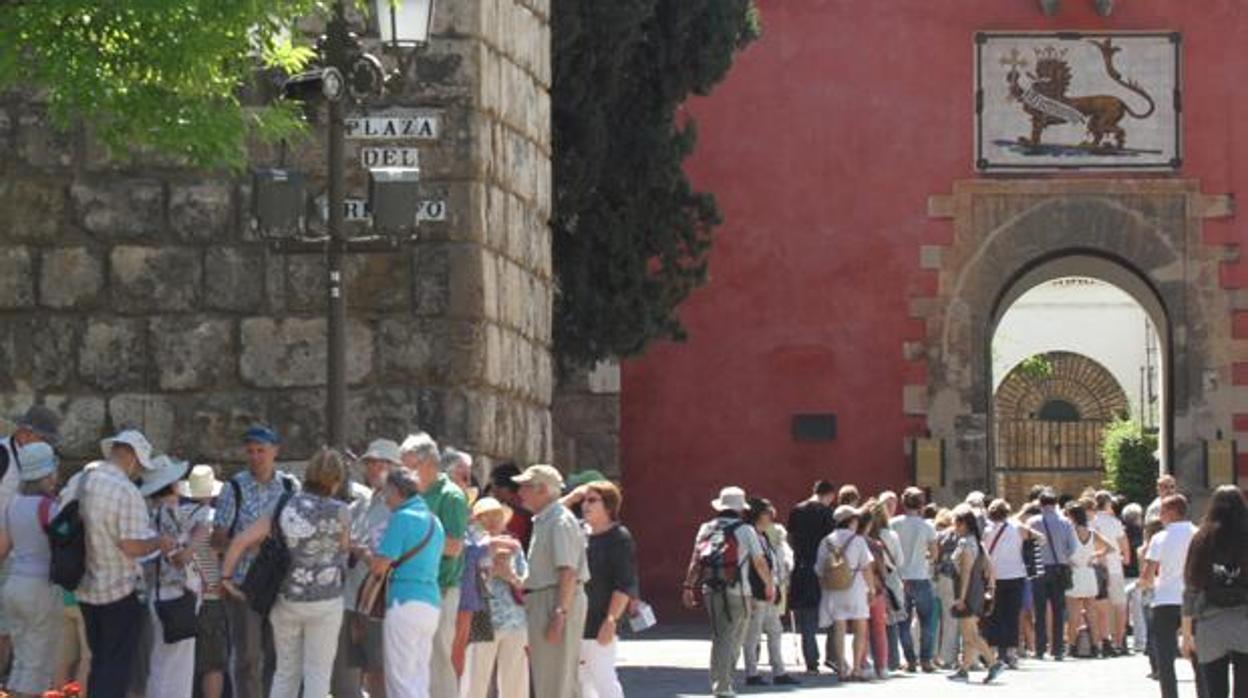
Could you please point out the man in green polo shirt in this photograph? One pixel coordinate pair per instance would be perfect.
(448, 502)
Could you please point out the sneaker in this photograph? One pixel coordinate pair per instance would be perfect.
(1012, 663)
(784, 680)
(1108, 650)
(959, 675)
(755, 681)
(927, 667)
(993, 672)
(911, 668)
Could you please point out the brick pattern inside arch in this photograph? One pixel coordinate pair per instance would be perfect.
(1075, 378)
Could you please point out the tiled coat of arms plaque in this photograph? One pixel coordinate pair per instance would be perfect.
(1077, 100)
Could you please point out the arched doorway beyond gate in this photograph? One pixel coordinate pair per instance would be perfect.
(1049, 417)
(1003, 230)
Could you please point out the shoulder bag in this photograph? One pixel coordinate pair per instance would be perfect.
(1064, 574)
(370, 600)
(179, 618)
(270, 565)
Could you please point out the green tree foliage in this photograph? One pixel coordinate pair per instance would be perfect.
(1036, 368)
(157, 75)
(1130, 464)
(631, 235)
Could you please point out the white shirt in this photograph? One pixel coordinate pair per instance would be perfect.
(1169, 550)
(1111, 529)
(916, 536)
(1007, 552)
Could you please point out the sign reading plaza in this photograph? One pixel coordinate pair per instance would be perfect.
(407, 124)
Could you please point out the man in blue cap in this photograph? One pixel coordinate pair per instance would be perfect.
(248, 496)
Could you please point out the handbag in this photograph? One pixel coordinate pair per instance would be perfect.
(1065, 576)
(481, 624)
(270, 565)
(1102, 581)
(370, 600)
(179, 618)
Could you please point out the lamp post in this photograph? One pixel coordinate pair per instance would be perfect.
(344, 73)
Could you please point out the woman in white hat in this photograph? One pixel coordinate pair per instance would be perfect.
(848, 609)
(212, 649)
(171, 671)
(32, 603)
(500, 570)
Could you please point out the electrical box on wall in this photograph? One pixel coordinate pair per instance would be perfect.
(814, 427)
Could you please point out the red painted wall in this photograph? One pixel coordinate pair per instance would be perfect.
(822, 147)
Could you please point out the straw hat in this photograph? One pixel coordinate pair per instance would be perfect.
(201, 484)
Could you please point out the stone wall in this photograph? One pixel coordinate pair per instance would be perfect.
(586, 415)
(138, 292)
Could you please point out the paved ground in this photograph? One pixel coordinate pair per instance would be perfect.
(673, 666)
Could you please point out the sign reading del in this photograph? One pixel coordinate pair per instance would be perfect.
(389, 157)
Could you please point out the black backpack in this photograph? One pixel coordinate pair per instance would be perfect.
(67, 538)
(270, 565)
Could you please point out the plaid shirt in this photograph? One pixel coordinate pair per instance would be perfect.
(113, 511)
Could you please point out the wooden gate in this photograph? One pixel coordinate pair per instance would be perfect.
(1050, 416)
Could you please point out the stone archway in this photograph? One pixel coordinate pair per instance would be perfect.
(1049, 416)
(1008, 235)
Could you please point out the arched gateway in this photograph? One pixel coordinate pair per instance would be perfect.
(1143, 236)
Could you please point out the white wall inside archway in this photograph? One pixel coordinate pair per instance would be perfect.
(1090, 317)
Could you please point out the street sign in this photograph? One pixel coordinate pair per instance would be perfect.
(393, 126)
(355, 210)
(389, 157)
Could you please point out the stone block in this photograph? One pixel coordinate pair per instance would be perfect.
(114, 354)
(405, 351)
(84, 422)
(431, 274)
(299, 416)
(305, 289)
(42, 144)
(70, 278)
(376, 282)
(154, 415)
(17, 279)
(211, 424)
(34, 209)
(119, 209)
(234, 278)
(203, 211)
(146, 279)
(389, 412)
(41, 347)
(292, 352)
(193, 352)
(6, 132)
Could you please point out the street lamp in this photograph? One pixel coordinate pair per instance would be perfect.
(344, 73)
(403, 24)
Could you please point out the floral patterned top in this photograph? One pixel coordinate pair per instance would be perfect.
(313, 527)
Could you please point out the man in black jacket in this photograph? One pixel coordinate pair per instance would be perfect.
(809, 522)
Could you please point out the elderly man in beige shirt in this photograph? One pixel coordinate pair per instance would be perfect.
(554, 590)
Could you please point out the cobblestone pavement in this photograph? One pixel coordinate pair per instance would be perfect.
(673, 665)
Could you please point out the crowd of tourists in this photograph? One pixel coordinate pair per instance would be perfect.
(391, 574)
(902, 584)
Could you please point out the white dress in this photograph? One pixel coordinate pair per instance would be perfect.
(1084, 577)
(852, 603)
